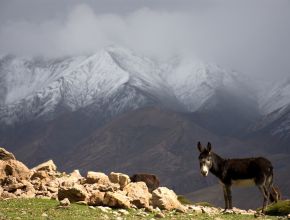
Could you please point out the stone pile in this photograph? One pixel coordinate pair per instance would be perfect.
(95, 189)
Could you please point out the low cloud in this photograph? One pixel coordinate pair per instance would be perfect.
(250, 36)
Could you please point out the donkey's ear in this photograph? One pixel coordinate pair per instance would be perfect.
(199, 147)
(208, 147)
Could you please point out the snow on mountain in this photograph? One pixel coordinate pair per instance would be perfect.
(36, 87)
(274, 103)
(275, 98)
(195, 82)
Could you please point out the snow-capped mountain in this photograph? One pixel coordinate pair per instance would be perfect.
(113, 80)
(274, 104)
(34, 87)
(196, 82)
(275, 98)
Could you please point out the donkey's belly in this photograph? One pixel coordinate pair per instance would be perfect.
(243, 182)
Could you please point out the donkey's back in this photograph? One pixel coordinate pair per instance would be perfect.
(258, 169)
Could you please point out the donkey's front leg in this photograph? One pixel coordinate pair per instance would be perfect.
(229, 195)
(226, 198)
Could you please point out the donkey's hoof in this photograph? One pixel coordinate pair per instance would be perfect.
(228, 211)
(259, 214)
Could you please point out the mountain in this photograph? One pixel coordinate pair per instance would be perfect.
(112, 80)
(118, 111)
(150, 140)
(275, 107)
(216, 95)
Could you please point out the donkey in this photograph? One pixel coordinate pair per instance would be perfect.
(248, 171)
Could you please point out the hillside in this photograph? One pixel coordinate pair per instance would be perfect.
(118, 110)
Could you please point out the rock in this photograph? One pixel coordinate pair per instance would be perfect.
(76, 174)
(138, 193)
(28, 190)
(52, 189)
(123, 212)
(195, 208)
(8, 195)
(97, 177)
(82, 203)
(40, 174)
(117, 199)
(74, 193)
(165, 198)
(13, 187)
(6, 155)
(13, 168)
(64, 202)
(288, 216)
(212, 210)
(67, 180)
(110, 187)
(120, 178)
(48, 166)
(44, 215)
(104, 209)
(96, 198)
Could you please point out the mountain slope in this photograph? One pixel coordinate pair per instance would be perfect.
(275, 123)
(148, 140)
(35, 88)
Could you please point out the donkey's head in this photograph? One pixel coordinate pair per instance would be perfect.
(205, 158)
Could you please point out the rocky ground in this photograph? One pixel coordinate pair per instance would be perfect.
(113, 195)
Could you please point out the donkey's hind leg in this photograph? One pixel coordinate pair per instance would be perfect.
(226, 198)
(265, 197)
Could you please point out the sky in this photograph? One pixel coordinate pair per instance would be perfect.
(250, 36)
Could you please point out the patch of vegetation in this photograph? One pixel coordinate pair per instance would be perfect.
(183, 200)
(281, 208)
(206, 204)
(43, 209)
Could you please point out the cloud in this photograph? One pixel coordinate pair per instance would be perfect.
(250, 36)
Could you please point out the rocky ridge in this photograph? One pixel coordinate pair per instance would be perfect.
(96, 189)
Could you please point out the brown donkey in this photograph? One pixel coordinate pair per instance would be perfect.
(248, 171)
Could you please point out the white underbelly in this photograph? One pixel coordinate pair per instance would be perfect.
(244, 182)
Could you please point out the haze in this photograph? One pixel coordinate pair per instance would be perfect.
(250, 36)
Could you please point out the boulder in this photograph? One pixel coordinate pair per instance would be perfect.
(117, 200)
(48, 166)
(6, 155)
(165, 198)
(41, 174)
(68, 180)
(64, 203)
(97, 177)
(139, 194)
(96, 198)
(76, 174)
(120, 178)
(13, 168)
(75, 193)
(28, 190)
(8, 195)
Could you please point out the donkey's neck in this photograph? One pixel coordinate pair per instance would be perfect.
(217, 165)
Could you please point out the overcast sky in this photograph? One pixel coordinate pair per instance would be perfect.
(251, 36)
